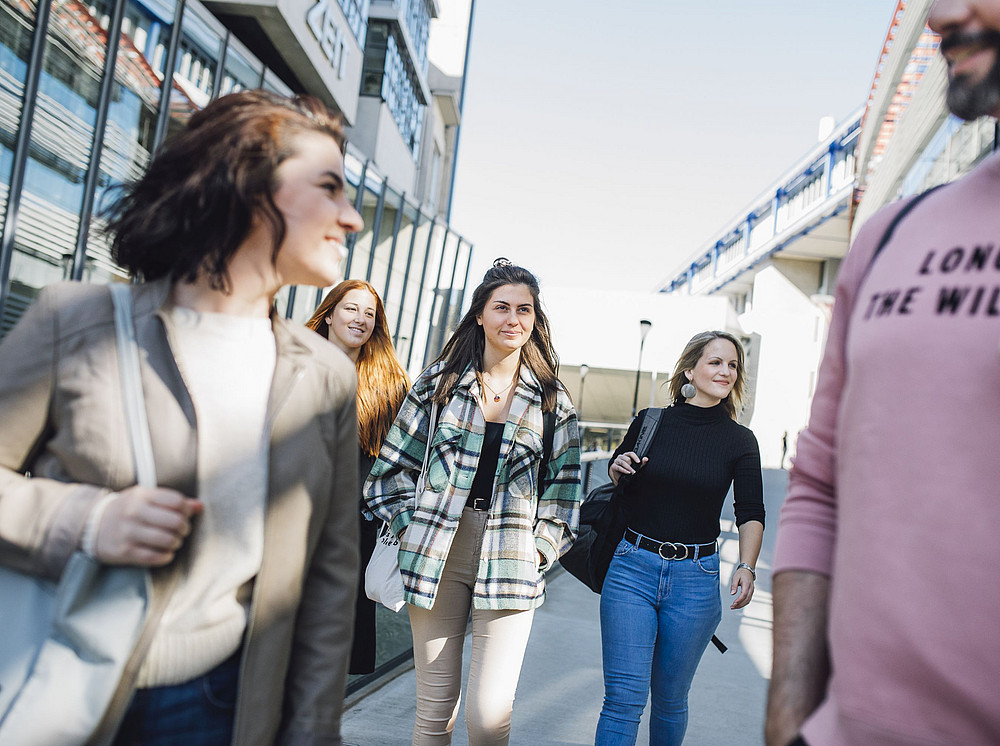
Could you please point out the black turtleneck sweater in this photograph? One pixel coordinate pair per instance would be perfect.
(696, 454)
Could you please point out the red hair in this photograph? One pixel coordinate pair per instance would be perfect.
(382, 382)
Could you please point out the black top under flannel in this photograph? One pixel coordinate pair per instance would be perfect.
(525, 531)
(696, 454)
(489, 458)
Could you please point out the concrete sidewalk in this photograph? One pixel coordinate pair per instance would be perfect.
(561, 688)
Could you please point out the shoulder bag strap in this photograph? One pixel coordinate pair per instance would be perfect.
(647, 430)
(131, 378)
(897, 220)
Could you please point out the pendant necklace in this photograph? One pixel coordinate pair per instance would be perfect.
(496, 396)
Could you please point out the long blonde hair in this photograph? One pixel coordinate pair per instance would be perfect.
(689, 359)
(382, 382)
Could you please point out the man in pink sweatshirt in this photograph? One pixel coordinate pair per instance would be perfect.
(886, 608)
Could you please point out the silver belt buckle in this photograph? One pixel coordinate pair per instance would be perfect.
(687, 550)
(480, 503)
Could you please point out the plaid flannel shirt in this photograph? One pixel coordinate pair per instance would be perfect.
(521, 523)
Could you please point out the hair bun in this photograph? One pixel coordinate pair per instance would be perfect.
(502, 261)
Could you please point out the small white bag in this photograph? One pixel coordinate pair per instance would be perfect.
(383, 583)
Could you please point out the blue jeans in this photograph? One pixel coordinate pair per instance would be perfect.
(657, 618)
(198, 712)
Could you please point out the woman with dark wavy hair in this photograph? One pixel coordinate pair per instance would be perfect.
(251, 533)
(494, 514)
(660, 601)
(352, 316)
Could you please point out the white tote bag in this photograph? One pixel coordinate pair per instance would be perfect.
(383, 583)
(64, 646)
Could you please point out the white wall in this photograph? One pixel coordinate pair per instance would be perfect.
(792, 333)
(601, 328)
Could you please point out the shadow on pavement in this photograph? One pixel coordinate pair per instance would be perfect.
(561, 690)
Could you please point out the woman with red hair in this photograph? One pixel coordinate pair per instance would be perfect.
(352, 316)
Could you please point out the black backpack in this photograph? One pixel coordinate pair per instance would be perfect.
(602, 523)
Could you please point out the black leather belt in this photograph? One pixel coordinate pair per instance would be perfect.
(668, 550)
(478, 503)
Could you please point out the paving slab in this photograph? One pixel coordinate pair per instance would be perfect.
(561, 688)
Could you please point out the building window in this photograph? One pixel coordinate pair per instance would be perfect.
(356, 12)
(388, 74)
(418, 24)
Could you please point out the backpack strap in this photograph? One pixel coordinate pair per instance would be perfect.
(548, 435)
(897, 220)
(647, 430)
(650, 424)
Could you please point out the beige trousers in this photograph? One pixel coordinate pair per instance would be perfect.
(498, 642)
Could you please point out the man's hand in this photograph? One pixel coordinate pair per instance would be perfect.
(801, 667)
(145, 527)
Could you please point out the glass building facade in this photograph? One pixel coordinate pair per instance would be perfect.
(389, 74)
(80, 115)
(85, 99)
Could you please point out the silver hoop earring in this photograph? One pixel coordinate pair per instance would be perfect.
(688, 391)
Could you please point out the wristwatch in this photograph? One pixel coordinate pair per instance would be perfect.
(747, 566)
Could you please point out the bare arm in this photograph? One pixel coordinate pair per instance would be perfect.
(801, 666)
(741, 584)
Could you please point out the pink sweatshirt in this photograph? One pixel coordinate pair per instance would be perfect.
(895, 491)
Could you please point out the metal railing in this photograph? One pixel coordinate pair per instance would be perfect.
(818, 186)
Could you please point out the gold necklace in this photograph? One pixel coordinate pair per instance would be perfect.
(496, 396)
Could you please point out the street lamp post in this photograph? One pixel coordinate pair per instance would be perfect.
(644, 326)
(584, 370)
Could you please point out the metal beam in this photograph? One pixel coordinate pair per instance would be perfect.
(392, 248)
(97, 147)
(376, 229)
(420, 291)
(220, 66)
(406, 277)
(21, 144)
(465, 284)
(352, 238)
(437, 289)
(163, 115)
(446, 311)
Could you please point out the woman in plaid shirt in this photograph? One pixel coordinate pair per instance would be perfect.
(492, 517)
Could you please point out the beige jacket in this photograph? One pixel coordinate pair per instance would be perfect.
(62, 420)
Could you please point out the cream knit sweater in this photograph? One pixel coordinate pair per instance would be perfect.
(227, 363)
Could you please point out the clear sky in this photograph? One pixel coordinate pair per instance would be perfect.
(606, 142)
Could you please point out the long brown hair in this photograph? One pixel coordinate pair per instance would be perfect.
(693, 350)
(197, 201)
(468, 343)
(382, 382)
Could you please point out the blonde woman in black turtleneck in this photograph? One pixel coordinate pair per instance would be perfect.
(660, 602)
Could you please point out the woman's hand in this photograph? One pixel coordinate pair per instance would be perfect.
(741, 586)
(145, 527)
(623, 464)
